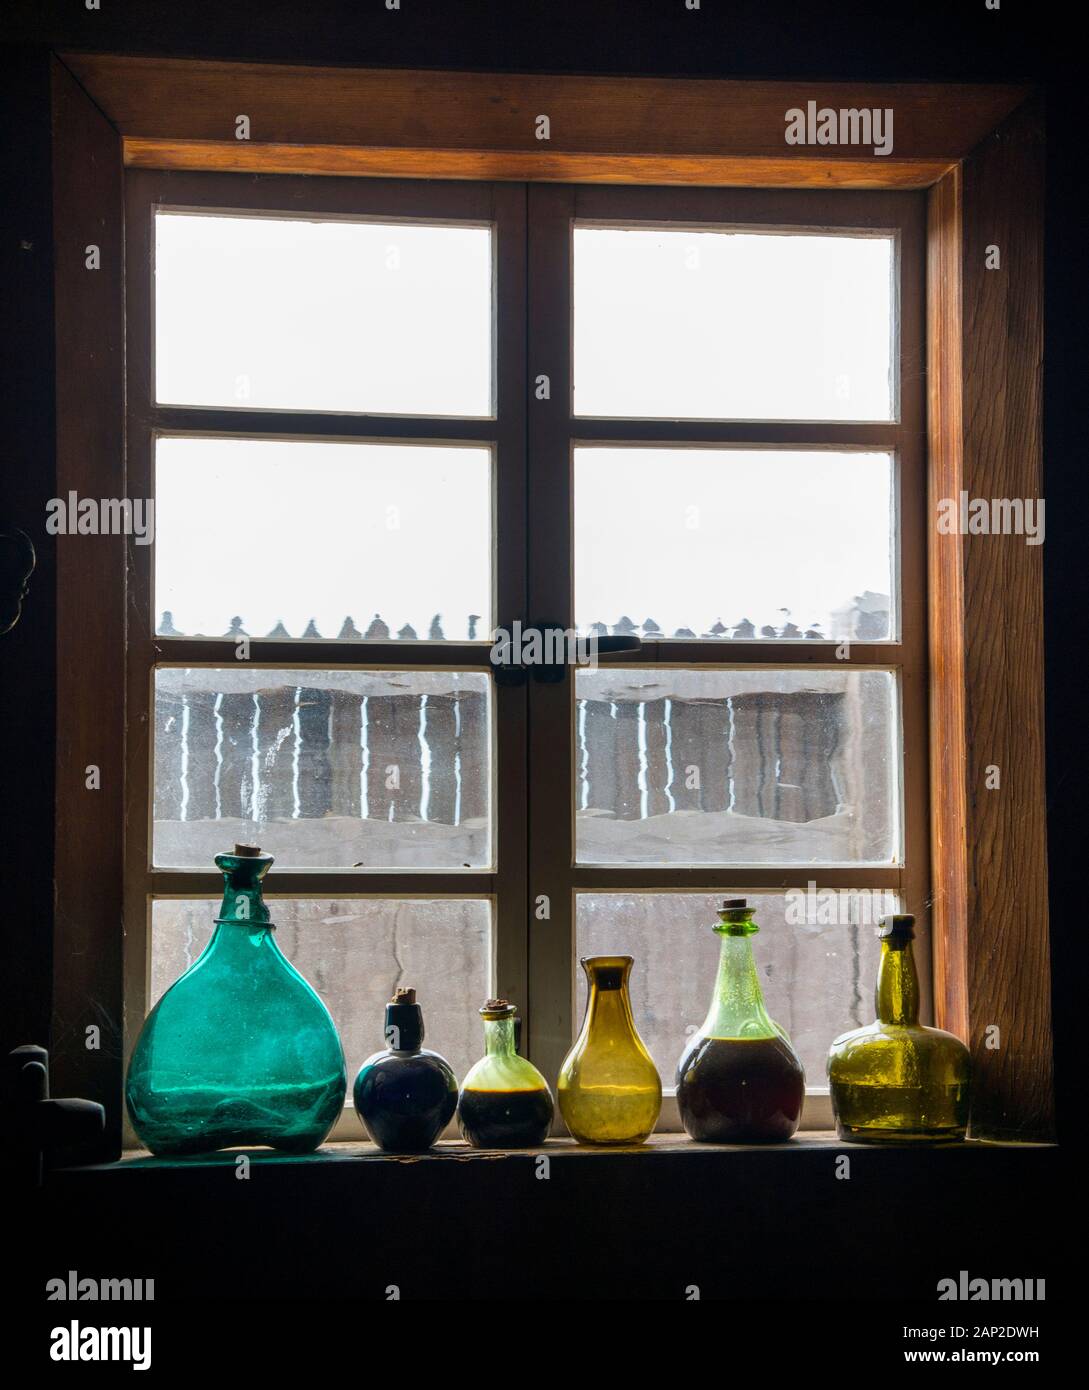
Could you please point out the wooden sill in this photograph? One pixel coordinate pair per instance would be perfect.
(457, 1151)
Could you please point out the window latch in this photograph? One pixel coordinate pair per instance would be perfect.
(546, 650)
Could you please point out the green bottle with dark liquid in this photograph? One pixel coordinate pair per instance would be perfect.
(504, 1102)
(739, 1080)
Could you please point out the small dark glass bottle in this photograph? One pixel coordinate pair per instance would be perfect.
(739, 1081)
(406, 1094)
(504, 1101)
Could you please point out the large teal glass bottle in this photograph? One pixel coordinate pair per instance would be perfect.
(239, 1050)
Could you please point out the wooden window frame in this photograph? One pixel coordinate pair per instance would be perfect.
(977, 150)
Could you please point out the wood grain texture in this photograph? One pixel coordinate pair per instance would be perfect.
(88, 209)
(986, 439)
(541, 166)
(949, 819)
(178, 99)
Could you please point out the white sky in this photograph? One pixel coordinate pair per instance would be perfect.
(385, 318)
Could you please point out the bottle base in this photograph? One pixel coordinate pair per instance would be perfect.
(868, 1134)
(628, 1141)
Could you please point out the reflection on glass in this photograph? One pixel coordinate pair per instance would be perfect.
(740, 544)
(727, 325)
(361, 317)
(355, 952)
(736, 766)
(323, 769)
(817, 952)
(278, 538)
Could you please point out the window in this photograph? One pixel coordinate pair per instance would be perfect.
(974, 157)
(722, 459)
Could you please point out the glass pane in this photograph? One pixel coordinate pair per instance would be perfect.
(355, 952)
(737, 766)
(817, 967)
(283, 314)
(324, 769)
(735, 543)
(726, 325)
(303, 539)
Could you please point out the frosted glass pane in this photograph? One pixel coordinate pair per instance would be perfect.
(736, 766)
(723, 325)
(378, 540)
(355, 952)
(323, 769)
(817, 977)
(735, 543)
(285, 314)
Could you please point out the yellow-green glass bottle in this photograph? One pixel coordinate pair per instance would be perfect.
(504, 1101)
(609, 1090)
(897, 1081)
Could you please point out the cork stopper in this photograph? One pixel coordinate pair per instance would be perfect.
(497, 1008)
(735, 918)
(246, 851)
(403, 996)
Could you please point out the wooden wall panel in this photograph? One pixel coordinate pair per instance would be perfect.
(88, 210)
(995, 970)
(167, 100)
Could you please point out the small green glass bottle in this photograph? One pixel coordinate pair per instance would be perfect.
(609, 1090)
(739, 1080)
(897, 1081)
(504, 1102)
(239, 1050)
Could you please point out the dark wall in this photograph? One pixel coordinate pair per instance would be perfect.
(953, 40)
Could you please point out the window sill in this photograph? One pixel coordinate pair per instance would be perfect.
(822, 1142)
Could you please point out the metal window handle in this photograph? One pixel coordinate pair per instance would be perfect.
(553, 672)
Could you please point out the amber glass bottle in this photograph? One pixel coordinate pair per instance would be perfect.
(897, 1081)
(504, 1102)
(739, 1081)
(609, 1090)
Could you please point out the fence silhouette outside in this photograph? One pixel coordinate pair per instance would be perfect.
(325, 754)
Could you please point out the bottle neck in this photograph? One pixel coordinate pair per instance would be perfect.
(242, 900)
(897, 994)
(609, 1004)
(737, 1009)
(499, 1037)
(243, 903)
(404, 1028)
